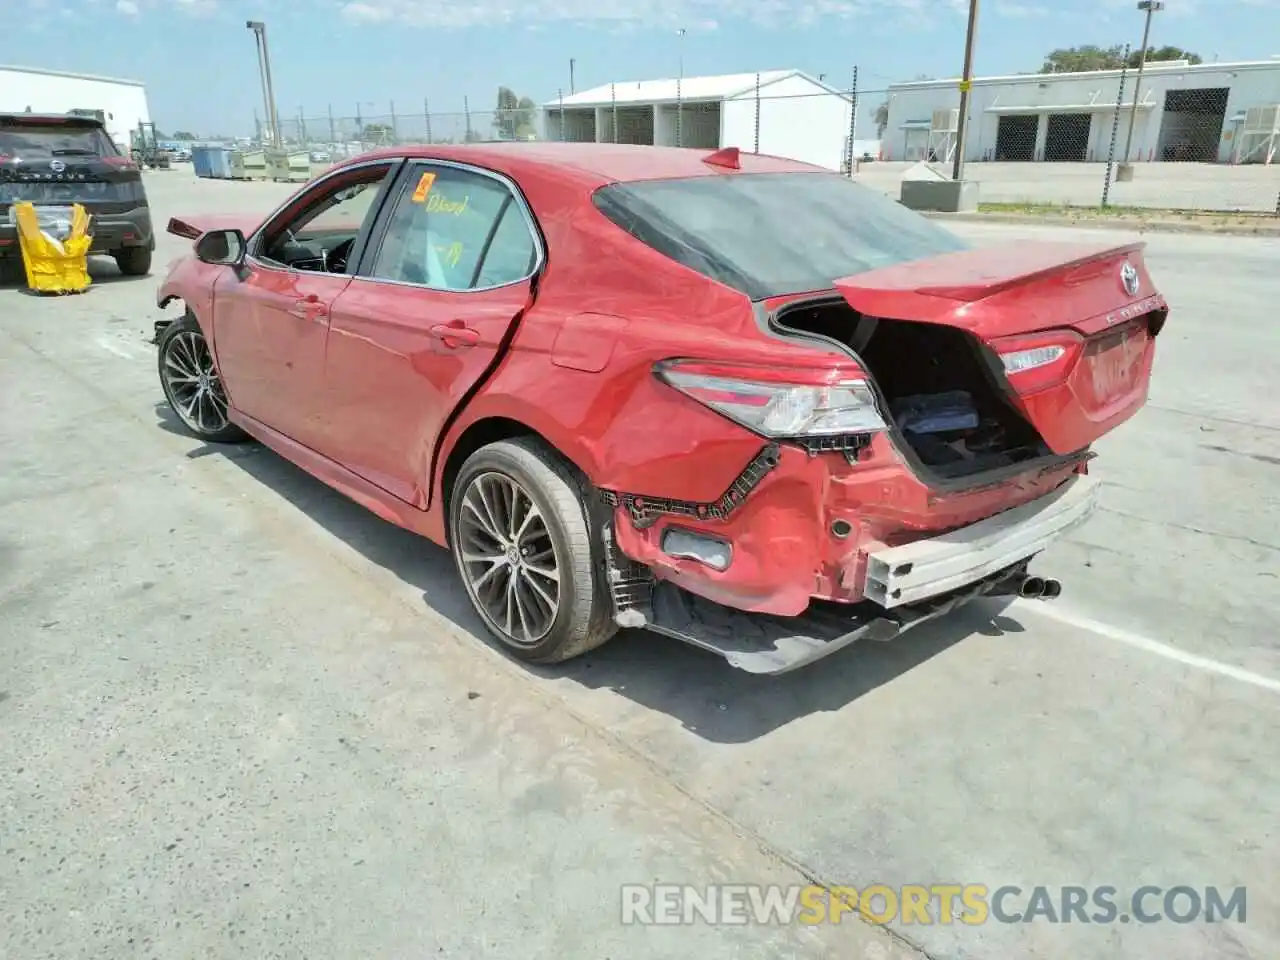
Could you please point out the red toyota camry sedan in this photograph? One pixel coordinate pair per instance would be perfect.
(731, 398)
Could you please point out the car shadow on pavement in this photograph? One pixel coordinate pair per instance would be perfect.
(699, 689)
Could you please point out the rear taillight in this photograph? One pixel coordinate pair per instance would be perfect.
(1034, 363)
(779, 401)
(120, 163)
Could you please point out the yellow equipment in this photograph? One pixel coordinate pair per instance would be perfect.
(54, 264)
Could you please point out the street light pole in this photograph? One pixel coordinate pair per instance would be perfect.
(572, 61)
(268, 92)
(1151, 7)
(957, 167)
(679, 91)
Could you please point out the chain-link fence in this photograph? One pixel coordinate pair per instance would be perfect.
(828, 127)
(332, 138)
(1172, 138)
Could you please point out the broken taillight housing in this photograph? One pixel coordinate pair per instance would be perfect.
(778, 401)
(1034, 363)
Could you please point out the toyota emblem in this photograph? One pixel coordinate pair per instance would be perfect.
(57, 166)
(1129, 277)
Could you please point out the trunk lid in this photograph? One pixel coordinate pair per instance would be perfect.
(1068, 329)
(195, 225)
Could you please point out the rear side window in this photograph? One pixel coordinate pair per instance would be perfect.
(455, 230)
(34, 140)
(766, 234)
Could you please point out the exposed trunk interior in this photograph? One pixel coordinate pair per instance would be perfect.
(945, 402)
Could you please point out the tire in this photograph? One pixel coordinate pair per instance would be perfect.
(186, 368)
(133, 261)
(583, 616)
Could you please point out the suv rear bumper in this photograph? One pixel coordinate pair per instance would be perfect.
(111, 232)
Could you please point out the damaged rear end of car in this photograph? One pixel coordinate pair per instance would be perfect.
(925, 427)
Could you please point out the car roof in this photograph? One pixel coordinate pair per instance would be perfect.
(592, 164)
(52, 119)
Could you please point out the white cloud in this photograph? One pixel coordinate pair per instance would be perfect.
(128, 7)
(198, 8)
(366, 13)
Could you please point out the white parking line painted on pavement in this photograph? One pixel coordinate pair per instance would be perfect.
(1138, 641)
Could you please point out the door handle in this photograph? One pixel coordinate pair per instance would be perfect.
(455, 334)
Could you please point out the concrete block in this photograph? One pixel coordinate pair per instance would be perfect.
(943, 196)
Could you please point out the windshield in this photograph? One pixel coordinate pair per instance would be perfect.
(31, 140)
(767, 234)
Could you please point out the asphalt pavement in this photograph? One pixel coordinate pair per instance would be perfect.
(239, 716)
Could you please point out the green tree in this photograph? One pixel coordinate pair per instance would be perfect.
(184, 135)
(882, 118)
(378, 133)
(514, 115)
(1090, 57)
(1156, 54)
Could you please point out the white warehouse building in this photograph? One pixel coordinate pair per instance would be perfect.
(1213, 112)
(799, 117)
(123, 103)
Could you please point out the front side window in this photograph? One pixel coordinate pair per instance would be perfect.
(455, 230)
(767, 234)
(321, 235)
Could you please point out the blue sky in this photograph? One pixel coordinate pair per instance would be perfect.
(198, 61)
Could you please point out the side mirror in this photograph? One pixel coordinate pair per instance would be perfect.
(223, 247)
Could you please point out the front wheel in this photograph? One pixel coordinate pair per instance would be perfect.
(191, 383)
(522, 543)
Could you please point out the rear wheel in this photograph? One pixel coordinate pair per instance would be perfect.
(133, 261)
(191, 383)
(523, 546)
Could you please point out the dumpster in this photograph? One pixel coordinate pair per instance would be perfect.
(249, 165)
(55, 245)
(287, 167)
(212, 162)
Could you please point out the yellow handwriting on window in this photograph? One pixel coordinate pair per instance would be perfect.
(436, 203)
(450, 253)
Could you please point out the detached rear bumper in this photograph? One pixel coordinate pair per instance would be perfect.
(902, 587)
(897, 576)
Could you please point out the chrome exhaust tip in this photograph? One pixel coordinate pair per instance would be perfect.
(1031, 588)
(1052, 589)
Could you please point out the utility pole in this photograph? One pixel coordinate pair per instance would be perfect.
(957, 167)
(426, 115)
(1151, 7)
(679, 92)
(572, 61)
(264, 63)
(333, 133)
